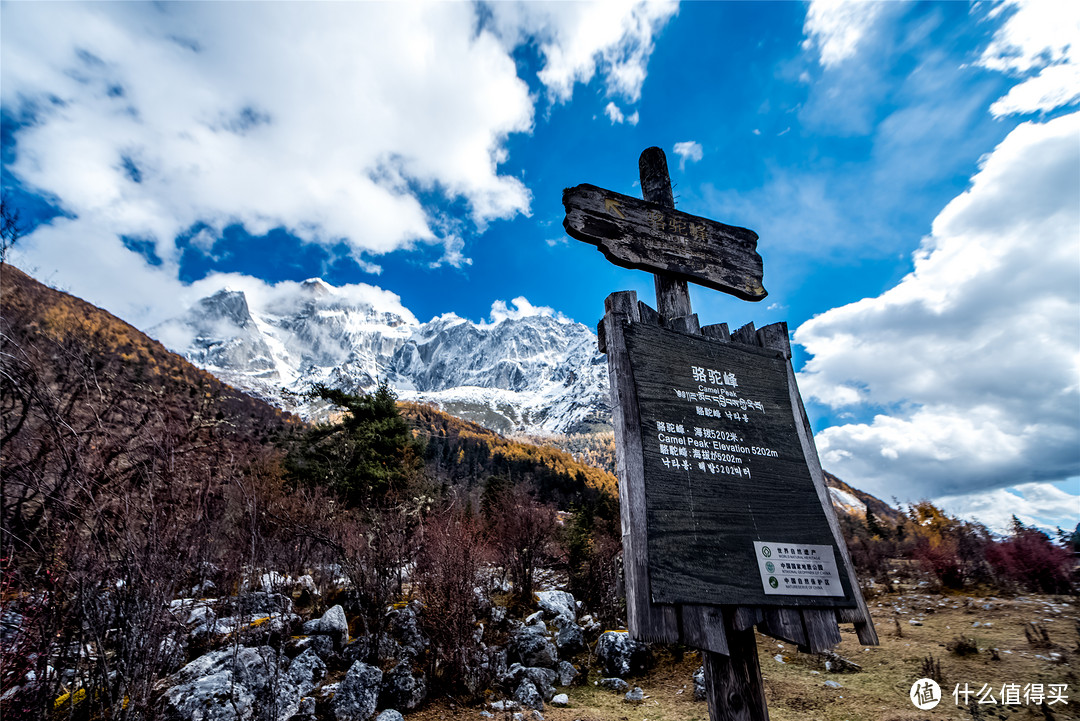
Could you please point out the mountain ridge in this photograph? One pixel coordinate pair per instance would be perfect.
(533, 373)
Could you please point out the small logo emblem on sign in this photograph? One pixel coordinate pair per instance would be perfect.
(773, 582)
(925, 694)
(770, 567)
(766, 551)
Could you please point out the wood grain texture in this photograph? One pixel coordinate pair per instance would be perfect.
(717, 331)
(655, 178)
(638, 234)
(821, 630)
(775, 336)
(703, 627)
(648, 315)
(733, 684)
(672, 293)
(687, 324)
(746, 617)
(645, 620)
(745, 335)
(785, 624)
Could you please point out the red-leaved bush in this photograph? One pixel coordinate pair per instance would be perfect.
(1030, 559)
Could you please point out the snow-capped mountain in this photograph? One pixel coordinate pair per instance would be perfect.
(522, 372)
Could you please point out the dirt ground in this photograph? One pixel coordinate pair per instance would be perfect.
(977, 642)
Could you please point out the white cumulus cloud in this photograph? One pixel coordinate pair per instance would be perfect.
(1039, 41)
(837, 27)
(973, 358)
(688, 150)
(615, 113)
(580, 39)
(1034, 504)
(339, 122)
(522, 308)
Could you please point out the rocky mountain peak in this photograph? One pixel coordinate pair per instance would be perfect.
(226, 304)
(534, 373)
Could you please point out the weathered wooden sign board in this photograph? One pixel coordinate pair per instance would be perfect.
(731, 510)
(637, 234)
(726, 519)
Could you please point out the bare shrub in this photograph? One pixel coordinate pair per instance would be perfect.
(1037, 635)
(448, 579)
(963, 646)
(522, 531)
(931, 669)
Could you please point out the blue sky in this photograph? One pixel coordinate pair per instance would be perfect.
(911, 169)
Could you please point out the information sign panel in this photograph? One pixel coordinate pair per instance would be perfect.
(724, 471)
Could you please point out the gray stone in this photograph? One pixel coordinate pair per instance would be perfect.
(634, 695)
(254, 667)
(333, 624)
(590, 626)
(543, 679)
(527, 695)
(833, 684)
(210, 698)
(620, 655)
(307, 707)
(357, 694)
(560, 700)
(231, 684)
(570, 639)
(502, 706)
(557, 603)
(613, 684)
(535, 618)
(404, 638)
(403, 688)
(390, 715)
(306, 585)
(261, 603)
(305, 671)
(567, 673)
(530, 646)
(483, 603)
(699, 683)
(323, 646)
(481, 667)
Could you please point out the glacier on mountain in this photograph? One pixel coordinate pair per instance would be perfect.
(534, 373)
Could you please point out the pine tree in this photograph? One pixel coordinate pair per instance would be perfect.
(369, 455)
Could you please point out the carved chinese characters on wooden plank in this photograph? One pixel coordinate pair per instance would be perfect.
(634, 233)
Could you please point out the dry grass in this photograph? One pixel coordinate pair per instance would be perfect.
(796, 689)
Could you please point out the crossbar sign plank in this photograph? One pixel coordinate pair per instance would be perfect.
(633, 233)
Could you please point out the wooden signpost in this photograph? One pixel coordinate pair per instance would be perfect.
(726, 519)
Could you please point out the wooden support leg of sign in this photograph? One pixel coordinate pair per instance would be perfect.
(733, 684)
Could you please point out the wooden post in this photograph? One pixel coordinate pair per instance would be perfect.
(672, 294)
(733, 684)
